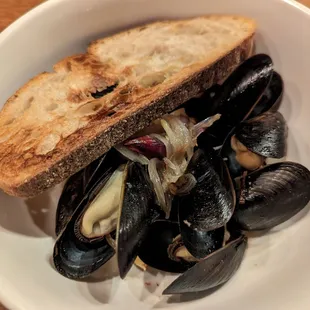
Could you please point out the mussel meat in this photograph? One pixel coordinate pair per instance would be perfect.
(247, 147)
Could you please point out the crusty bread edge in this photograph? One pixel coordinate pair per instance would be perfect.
(174, 97)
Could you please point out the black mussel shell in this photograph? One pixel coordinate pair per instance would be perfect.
(76, 256)
(272, 195)
(239, 94)
(137, 213)
(174, 212)
(211, 202)
(214, 270)
(264, 135)
(201, 243)
(200, 106)
(80, 183)
(229, 156)
(77, 260)
(71, 196)
(271, 98)
(154, 249)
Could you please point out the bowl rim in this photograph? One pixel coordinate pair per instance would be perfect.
(35, 12)
(47, 4)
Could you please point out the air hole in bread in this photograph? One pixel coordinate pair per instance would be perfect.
(152, 80)
(52, 107)
(110, 113)
(100, 94)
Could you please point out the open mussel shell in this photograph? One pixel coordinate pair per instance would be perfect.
(239, 158)
(238, 96)
(210, 204)
(137, 212)
(229, 156)
(201, 243)
(271, 98)
(80, 183)
(212, 271)
(154, 250)
(272, 195)
(76, 260)
(76, 256)
(71, 196)
(264, 135)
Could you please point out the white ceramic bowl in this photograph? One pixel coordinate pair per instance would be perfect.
(275, 273)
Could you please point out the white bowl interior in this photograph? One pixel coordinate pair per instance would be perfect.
(274, 273)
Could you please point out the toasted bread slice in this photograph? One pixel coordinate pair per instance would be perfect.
(59, 122)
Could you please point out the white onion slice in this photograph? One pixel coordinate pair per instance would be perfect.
(170, 134)
(175, 168)
(157, 183)
(179, 136)
(201, 126)
(132, 155)
(185, 134)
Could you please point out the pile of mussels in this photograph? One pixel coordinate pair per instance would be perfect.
(182, 195)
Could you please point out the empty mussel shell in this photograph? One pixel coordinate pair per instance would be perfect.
(271, 98)
(272, 195)
(264, 135)
(137, 212)
(210, 204)
(154, 250)
(212, 271)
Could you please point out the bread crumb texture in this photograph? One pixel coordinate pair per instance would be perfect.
(58, 112)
